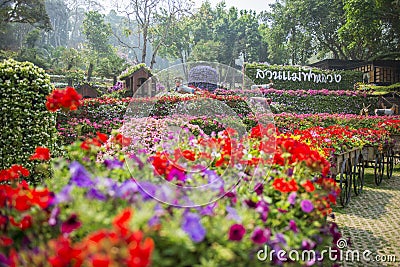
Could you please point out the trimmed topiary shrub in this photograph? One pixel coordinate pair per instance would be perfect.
(25, 121)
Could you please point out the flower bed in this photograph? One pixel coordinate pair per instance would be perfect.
(287, 211)
(100, 208)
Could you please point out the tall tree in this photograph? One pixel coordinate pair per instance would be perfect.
(97, 34)
(154, 20)
(24, 11)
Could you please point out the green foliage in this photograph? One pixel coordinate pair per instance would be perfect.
(26, 123)
(206, 51)
(25, 11)
(348, 78)
(97, 31)
(323, 104)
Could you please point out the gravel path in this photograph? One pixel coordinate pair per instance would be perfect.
(371, 222)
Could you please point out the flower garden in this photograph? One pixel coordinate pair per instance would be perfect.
(88, 182)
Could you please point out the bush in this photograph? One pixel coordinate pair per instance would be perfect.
(323, 79)
(26, 123)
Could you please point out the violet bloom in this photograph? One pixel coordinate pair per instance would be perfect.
(292, 198)
(260, 236)
(263, 208)
(306, 205)
(307, 244)
(79, 175)
(208, 210)
(70, 224)
(64, 195)
(176, 173)
(113, 164)
(94, 193)
(293, 226)
(139, 163)
(192, 226)
(232, 214)
(53, 216)
(236, 232)
(147, 190)
(259, 188)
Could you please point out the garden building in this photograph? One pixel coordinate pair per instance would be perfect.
(380, 72)
(135, 78)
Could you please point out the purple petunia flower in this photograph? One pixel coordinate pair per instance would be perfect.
(79, 175)
(176, 173)
(192, 226)
(70, 224)
(292, 198)
(307, 244)
(232, 214)
(208, 210)
(113, 164)
(293, 226)
(306, 205)
(280, 238)
(64, 195)
(215, 182)
(126, 189)
(263, 208)
(236, 232)
(139, 163)
(260, 236)
(53, 216)
(259, 188)
(147, 190)
(94, 193)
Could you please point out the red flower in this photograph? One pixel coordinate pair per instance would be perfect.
(101, 261)
(102, 137)
(280, 185)
(5, 241)
(24, 224)
(123, 140)
(308, 186)
(41, 153)
(189, 155)
(59, 98)
(70, 224)
(292, 186)
(121, 221)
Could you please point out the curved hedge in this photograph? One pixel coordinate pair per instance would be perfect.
(25, 121)
(304, 78)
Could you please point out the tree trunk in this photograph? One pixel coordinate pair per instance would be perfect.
(144, 48)
(90, 71)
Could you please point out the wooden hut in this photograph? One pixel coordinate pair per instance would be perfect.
(87, 91)
(136, 79)
(380, 72)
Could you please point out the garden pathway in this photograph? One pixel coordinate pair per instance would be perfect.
(372, 222)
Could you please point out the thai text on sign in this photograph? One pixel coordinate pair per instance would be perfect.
(299, 76)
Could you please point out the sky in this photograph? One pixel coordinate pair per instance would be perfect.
(257, 5)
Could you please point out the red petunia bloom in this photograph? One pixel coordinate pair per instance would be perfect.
(121, 221)
(189, 155)
(66, 99)
(41, 153)
(308, 186)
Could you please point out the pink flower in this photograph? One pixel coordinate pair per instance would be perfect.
(236, 232)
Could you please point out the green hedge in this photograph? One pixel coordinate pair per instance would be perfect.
(305, 78)
(323, 103)
(26, 123)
